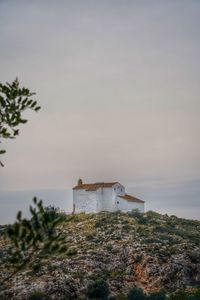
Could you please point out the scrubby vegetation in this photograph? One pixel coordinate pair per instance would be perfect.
(98, 289)
(149, 255)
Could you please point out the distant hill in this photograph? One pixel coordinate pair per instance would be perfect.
(149, 251)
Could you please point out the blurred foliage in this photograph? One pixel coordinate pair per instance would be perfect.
(13, 102)
(160, 295)
(185, 295)
(98, 289)
(30, 241)
(38, 295)
(136, 294)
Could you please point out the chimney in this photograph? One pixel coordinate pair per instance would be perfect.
(80, 181)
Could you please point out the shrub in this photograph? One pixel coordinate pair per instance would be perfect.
(157, 296)
(138, 258)
(118, 297)
(136, 294)
(71, 252)
(195, 295)
(98, 289)
(101, 222)
(186, 295)
(38, 295)
(179, 295)
(126, 227)
(135, 213)
(31, 240)
(89, 237)
(118, 237)
(194, 257)
(142, 220)
(109, 247)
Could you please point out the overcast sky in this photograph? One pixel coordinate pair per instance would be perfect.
(119, 86)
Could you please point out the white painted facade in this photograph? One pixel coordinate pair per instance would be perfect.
(125, 206)
(97, 197)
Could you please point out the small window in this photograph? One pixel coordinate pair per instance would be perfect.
(117, 202)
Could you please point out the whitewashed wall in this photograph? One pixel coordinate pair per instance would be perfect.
(103, 199)
(125, 206)
(108, 199)
(99, 196)
(85, 201)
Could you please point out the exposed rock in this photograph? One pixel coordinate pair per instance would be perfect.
(150, 251)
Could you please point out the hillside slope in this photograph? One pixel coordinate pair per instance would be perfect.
(150, 251)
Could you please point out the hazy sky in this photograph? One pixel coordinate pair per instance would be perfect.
(119, 86)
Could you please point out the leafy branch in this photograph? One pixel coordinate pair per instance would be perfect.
(31, 240)
(13, 102)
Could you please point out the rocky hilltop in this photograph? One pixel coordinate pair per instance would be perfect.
(148, 251)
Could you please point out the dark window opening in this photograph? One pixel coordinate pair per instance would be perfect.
(117, 202)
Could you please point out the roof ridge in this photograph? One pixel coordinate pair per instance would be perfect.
(94, 186)
(131, 198)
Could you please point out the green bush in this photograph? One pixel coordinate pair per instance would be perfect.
(118, 297)
(194, 257)
(183, 295)
(71, 252)
(157, 296)
(109, 247)
(136, 294)
(195, 295)
(31, 240)
(38, 295)
(126, 227)
(102, 221)
(138, 258)
(135, 213)
(179, 295)
(89, 237)
(142, 220)
(98, 289)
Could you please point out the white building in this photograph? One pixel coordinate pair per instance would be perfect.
(101, 196)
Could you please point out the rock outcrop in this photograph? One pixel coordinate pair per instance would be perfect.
(149, 251)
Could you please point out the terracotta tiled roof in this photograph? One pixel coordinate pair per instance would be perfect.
(131, 198)
(94, 186)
